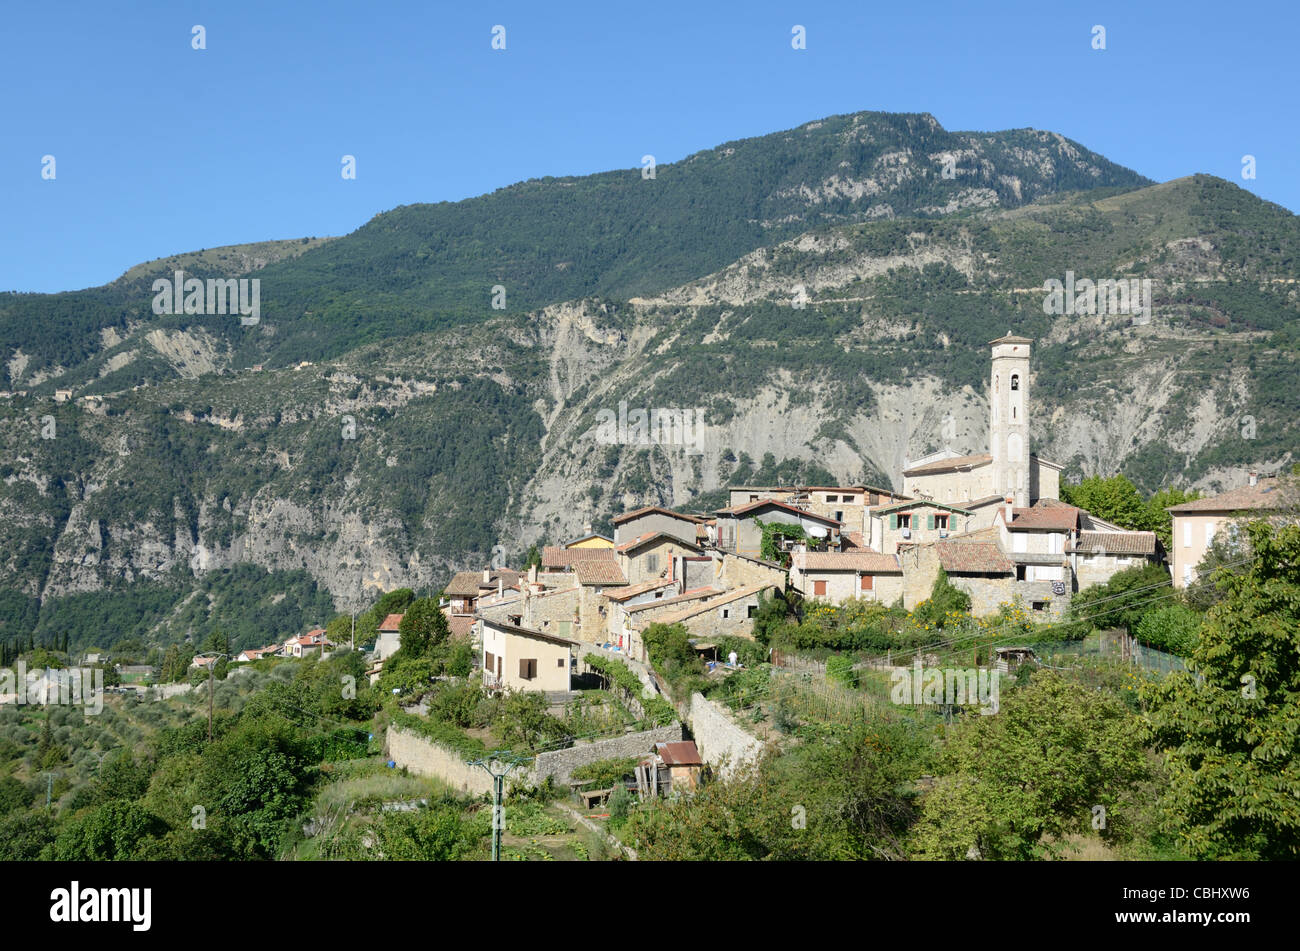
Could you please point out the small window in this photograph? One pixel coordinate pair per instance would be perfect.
(1020, 572)
(652, 562)
(905, 520)
(1040, 605)
(753, 610)
(866, 582)
(726, 613)
(1015, 381)
(559, 662)
(659, 593)
(832, 498)
(819, 587)
(839, 516)
(527, 668)
(941, 522)
(753, 498)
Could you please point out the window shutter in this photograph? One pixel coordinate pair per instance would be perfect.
(930, 521)
(893, 521)
(866, 582)
(819, 587)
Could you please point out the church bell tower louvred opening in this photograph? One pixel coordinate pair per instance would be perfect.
(1009, 417)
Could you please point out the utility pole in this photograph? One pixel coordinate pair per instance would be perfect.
(212, 671)
(354, 630)
(493, 766)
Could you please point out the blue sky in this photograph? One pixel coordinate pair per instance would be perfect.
(160, 148)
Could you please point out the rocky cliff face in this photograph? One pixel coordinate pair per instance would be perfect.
(852, 348)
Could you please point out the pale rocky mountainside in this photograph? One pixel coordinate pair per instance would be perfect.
(484, 435)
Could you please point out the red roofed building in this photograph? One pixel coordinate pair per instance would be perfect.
(836, 576)
(313, 642)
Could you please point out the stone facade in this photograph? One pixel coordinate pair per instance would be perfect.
(915, 523)
(651, 559)
(556, 611)
(729, 614)
(737, 571)
(653, 521)
(843, 586)
(1098, 569)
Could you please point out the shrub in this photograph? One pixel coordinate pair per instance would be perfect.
(1174, 628)
(607, 772)
(840, 669)
(446, 734)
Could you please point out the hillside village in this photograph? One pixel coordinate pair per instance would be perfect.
(993, 523)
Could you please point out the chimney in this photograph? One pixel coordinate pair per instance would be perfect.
(1010, 505)
(487, 575)
(1254, 478)
(500, 586)
(532, 574)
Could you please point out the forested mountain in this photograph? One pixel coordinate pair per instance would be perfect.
(426, 267)
(430, 428)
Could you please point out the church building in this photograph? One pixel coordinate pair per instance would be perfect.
(982, 481)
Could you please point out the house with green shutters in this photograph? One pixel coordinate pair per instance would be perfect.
(914, 522)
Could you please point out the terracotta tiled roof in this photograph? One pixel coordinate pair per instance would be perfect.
(589, 537)
(680, 753)
(1009, 338)
(1059, 517)
(637, 513)
(651, 536)
(947, 465)
(872, 562)
(1263, 495)
(312, 638)
(973, 558)
(632, 590)
(695, 594)
(852, 540)
(600, 572)
(884, 507)
(1115, 543)
(468, 584)
(749, 506)
(723, 599)
(555, 557)
(529, 632)
(460, 624)
(391, 623)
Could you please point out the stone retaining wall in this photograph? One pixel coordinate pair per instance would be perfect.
(722, 743)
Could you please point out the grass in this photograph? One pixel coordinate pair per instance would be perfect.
(374, 789)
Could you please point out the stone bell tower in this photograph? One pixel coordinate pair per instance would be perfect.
(1009, 418)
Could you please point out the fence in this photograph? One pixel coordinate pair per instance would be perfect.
(1111, 646)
